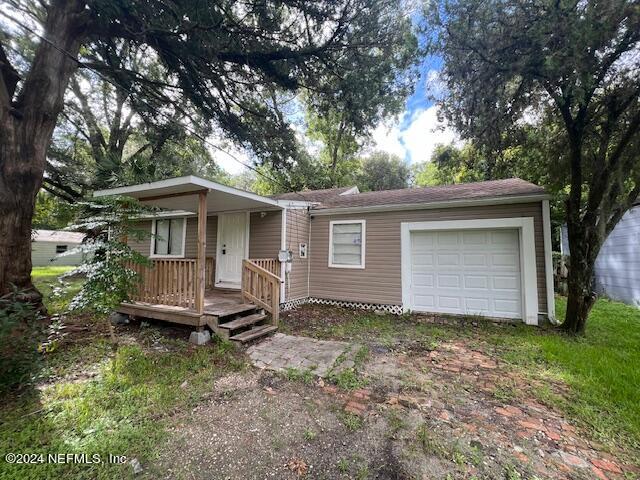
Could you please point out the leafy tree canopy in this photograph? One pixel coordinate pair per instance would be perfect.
(570, 70)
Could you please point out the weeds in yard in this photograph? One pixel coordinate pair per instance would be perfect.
(395, 422)
(309, 434)
(348, 379)
(430, 445)
(350, 421)
(122, 410)
(343, 465)
(510, 473)
(295, 375)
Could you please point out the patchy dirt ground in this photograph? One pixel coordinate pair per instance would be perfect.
(447, 409)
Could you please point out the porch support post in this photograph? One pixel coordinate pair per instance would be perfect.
(202, 247)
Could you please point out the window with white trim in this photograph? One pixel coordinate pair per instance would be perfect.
(347, 243)
(168, 237)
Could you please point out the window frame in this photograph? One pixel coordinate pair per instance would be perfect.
(63, 247)
(363, 243)
(153, 238)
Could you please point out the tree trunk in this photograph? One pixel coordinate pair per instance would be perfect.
(580, 296)
(26, 127)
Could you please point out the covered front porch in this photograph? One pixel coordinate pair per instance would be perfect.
(213, 254)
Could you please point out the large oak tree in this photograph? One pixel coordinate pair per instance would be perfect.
(228, 59)
(571, 69)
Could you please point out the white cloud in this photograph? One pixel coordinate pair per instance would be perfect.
(417, 141)
(233, 161)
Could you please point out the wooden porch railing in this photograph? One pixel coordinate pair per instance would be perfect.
(261, 287)
(170, 281)
(269, 264)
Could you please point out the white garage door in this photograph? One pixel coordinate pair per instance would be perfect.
(466, 272)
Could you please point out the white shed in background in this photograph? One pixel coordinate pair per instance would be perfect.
(47, 245)
(617, 268)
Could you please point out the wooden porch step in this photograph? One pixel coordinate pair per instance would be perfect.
(254, 333)
(243, 321)
(231, 310)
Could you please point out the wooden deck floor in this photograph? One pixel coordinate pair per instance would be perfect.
(217, 302)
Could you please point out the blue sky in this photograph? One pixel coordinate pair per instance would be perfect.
(413, 135)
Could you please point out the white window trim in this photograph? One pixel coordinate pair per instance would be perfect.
(528, 270)
(362, 245)
(153, 238)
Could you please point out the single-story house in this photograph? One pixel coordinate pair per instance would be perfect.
(471, 249)
(47, 245)
(617, 268)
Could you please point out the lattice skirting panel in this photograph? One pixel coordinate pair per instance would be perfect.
(393, 309)
(293, 303)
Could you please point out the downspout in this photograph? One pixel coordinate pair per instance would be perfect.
(548, 262)
(283, 247)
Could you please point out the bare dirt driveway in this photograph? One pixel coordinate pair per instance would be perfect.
(416, 400)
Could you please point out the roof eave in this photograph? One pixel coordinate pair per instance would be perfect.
(187, 180)
(502, 200)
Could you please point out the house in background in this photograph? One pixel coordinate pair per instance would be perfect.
(48, 244)
(617, 269)
(230, 260)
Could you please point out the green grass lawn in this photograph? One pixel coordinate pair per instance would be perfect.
(601, 369)
(96, 400)
(122, 401)
(57, 292)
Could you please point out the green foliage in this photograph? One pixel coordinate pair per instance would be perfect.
(567, 102)
(110, 277)
(125, 410)
(21, 331)
(51, 213)
(383, 171)
(351, 421)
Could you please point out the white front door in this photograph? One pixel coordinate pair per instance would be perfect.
(233, 238)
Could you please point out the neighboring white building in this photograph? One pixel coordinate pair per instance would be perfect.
(617, 269)
(47, 245)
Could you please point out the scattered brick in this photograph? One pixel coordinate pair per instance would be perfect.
(444, 415)
(330, 389)
(606, 465)
(598, 473)
(554, 435)
(522, 457)
(573, 460)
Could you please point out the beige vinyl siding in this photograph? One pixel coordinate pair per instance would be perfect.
(298, 232)
(380, 280)
(43, 254)
(264, 234)
(143, 246)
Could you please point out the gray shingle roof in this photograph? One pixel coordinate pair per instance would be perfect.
(313, 195)
(60, 236)
(443, 193)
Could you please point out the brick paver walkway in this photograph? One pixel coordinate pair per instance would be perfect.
(281, 352)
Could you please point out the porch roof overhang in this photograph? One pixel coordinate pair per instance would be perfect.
(181, 193)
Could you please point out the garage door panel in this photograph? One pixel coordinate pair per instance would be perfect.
(448, 281)
(509, 307)
(507, 283)
(505, 260)
(466, 272)
(477, 305)
(425, 301)
(475, 260)
(423, 280)
(476, 282)
(448, 259)
(476, 237)
(447, 239)
(452, 303)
